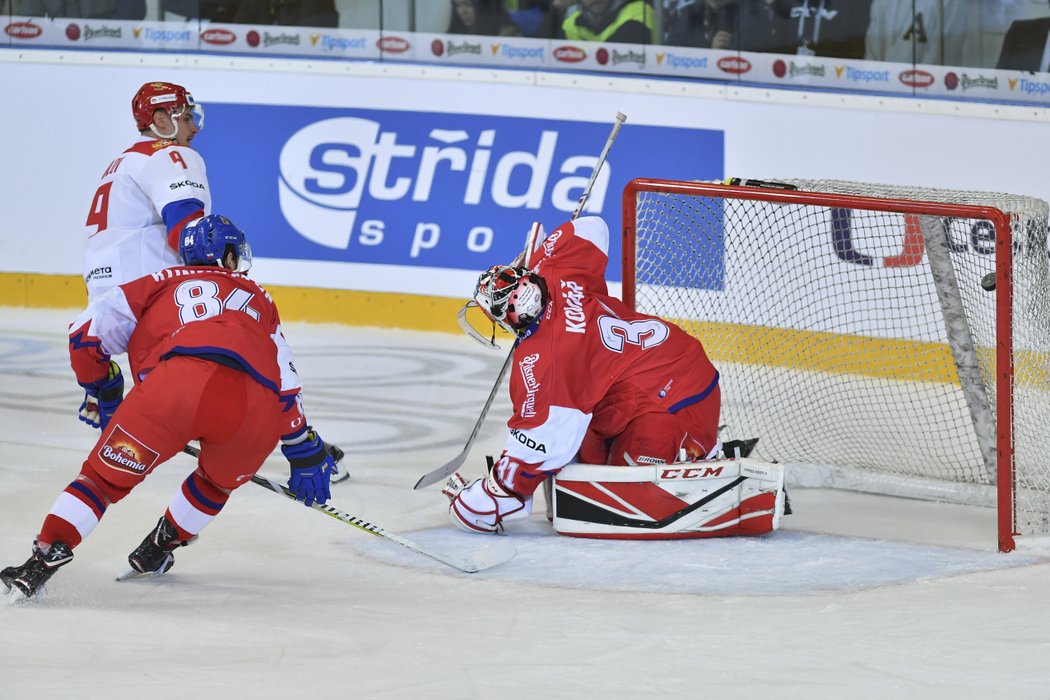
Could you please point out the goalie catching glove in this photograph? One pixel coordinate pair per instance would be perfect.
(102, 398)
(483, 505)
(311, 468)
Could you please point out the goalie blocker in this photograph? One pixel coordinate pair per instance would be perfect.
(717, 498)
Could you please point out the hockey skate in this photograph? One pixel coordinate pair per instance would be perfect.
(154, 556)
(339, 472)
(29, 579)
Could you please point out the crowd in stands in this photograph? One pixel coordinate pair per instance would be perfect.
(1009, 34)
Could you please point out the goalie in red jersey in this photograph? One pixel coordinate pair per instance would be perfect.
(211, 364)
(596, 382)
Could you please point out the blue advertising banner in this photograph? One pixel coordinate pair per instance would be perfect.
(429, 189)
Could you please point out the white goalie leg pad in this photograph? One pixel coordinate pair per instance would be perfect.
(483, 506)
(715, 498)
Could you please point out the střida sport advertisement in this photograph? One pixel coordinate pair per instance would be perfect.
(427, 189)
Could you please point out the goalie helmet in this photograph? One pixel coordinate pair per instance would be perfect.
(173, 99)
(513, 297)
(206, 241)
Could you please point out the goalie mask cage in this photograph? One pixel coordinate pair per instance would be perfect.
(853, 335)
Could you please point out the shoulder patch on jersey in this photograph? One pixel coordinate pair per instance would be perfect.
(148, 148)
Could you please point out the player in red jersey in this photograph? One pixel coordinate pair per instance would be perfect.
(210, 364)
(592, 380)
(148, 193)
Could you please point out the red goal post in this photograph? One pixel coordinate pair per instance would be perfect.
(853, 335)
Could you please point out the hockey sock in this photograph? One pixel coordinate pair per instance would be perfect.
(197, 503)
(74, 514)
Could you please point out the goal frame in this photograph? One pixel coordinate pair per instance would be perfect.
(1006, 496)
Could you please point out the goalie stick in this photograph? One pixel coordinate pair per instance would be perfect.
(439, 474)
(470, 562)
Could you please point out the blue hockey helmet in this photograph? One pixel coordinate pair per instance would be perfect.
(207, 240)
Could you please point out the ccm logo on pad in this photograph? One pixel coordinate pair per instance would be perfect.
(691, 473)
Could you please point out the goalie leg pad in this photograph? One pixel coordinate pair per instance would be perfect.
(483, 506)
(718, 498)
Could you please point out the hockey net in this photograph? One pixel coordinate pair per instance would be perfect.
(852, 333)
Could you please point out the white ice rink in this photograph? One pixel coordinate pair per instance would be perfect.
(856, 597)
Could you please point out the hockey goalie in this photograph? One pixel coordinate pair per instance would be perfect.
(629, 402)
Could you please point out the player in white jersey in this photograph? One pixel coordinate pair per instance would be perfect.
(148, 193)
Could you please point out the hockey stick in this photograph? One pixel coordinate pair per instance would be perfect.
(470, 562)
(432, 477)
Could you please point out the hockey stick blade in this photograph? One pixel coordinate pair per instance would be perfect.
(470, 562)
(442, 472)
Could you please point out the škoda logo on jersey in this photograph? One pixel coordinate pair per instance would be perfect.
(125, 453)
(528, 441)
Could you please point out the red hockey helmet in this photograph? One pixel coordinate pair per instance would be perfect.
(172, 98)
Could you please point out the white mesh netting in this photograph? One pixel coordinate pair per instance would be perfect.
(840, 343)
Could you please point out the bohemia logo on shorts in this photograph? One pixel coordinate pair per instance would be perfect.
(393, 44)
(219, 37)
(917, 78)
(569, 54)
(23, 30)
(734, 65)
(124, 453)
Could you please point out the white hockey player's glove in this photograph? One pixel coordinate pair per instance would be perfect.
(483, 505)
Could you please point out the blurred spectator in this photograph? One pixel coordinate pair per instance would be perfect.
(993, 18)
(288, 13)
(760, 28)
(530, 16)
(83, 9)
(212, 10)
(552, 17)
(706, 24)
(484, 17)
(833, 28)
(623, 21)
(920, 31)
(1025, 46)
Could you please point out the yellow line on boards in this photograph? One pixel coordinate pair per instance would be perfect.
(309, 304)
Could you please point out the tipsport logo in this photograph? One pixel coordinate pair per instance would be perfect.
(349, 181)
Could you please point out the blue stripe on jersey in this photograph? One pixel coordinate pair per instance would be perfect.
(288, 402)
(205, 350)
(690, 400)
(175, 212)
(78, 342)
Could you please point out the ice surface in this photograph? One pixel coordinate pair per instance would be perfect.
(857, 596)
